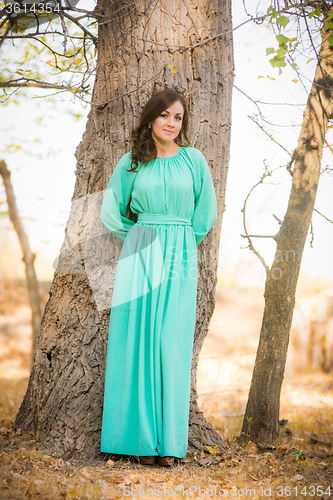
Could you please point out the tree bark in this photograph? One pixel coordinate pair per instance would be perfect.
(28, 257)
(261, 420)
(136, 44)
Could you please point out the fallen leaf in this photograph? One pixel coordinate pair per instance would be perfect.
(72, 494)
(85, 473)
(135, 478)
(32, 490)
(4, 430)
(39, 481)
(58, 464)
(143, 481)
(208, 460)
(298, 477)
(282, 450)
(251, 447)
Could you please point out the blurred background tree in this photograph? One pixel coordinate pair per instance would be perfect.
(261, 420)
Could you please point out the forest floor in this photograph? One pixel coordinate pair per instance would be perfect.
(298, 465)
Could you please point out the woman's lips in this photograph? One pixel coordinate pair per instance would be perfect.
(168, 131)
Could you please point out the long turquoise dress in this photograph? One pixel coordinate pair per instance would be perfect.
(153, 310)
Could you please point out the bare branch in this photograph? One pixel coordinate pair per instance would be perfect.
(87, 13)
(4, 36)
(277, 219)
(247, 235)
(314, 49)
(329, 220)
(64, 27)
(293, 157)
(269, 135)
(42, 33)
(257, 236)
(87, 32)
(312, 234)
(329, 146)
(31, 82)
(257, 102)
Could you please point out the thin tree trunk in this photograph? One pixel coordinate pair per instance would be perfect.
(28, 256)
(63, 403)
(261, 420)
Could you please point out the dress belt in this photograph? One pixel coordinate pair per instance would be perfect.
(146, 218)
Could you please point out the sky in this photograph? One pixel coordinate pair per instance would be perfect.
(43, 171)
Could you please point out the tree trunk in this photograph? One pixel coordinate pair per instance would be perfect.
(28, 257)
(63, 403)
(261, 421)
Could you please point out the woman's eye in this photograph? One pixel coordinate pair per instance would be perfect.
(179, 118)
(164, 115)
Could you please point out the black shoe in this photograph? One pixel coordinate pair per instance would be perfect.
(166, 461)
(147, 460)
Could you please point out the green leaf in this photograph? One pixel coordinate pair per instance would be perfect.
(329, 26)
(277, 62)
(283, 21)
(281, 52)
(269, 51)
(330, 39)
(316, 12)
(272, 11)
(330, 15)
(294, 66)
(282, 39)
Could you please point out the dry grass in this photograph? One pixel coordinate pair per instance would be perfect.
(293, 463)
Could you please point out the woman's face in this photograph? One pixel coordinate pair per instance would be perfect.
(166, 127)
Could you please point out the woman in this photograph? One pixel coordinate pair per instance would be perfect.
(152, 321)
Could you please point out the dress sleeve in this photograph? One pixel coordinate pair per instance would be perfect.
(205, 209)
(116, 198)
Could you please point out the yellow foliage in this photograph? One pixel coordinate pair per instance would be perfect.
(173, 69)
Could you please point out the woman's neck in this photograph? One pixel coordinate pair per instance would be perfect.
(166, 150)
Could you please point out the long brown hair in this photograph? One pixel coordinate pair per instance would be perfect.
(144, 147)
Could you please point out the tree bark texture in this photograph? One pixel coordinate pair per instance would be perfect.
(28, 256)
(261, 420)
(136, 44)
